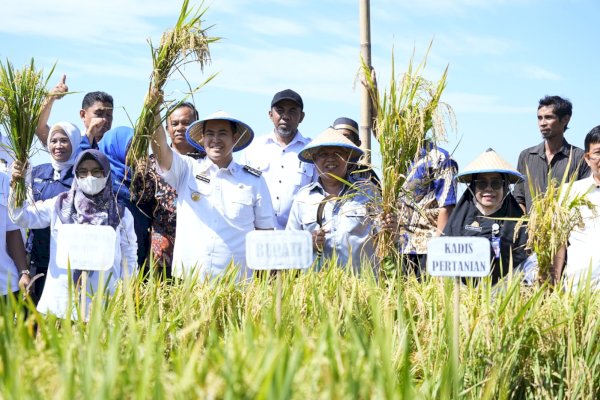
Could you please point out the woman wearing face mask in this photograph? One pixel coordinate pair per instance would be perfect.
(48, 181)
(89, 201)
(488, 209)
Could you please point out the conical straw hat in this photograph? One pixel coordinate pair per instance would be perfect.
(329, 138)
(489, 161)
(195, 131)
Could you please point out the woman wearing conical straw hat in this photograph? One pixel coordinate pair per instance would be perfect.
(488, 209)
(341, 212)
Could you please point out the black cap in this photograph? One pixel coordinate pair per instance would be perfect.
(346, 123)
(287, 94)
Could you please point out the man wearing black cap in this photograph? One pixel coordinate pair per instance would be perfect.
(276, 154)
(349, 128)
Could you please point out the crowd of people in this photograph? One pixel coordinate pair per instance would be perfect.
(186, 212)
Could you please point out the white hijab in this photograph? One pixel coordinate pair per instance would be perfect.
(74, 136)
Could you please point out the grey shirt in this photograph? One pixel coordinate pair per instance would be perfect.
(534, 160)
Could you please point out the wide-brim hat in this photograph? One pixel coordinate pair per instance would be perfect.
(489, 162)
(329, 138)
(194, 132)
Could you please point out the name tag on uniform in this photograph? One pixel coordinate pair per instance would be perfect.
(203, 178)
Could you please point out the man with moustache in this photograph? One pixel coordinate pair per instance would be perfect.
(554, 154)
(275, 155)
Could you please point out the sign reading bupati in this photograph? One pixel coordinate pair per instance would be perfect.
(458, 256)
(275, 250)
(86, 247)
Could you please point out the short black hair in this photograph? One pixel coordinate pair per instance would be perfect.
(592, 137)
(561, 106)
(177, 106)
(90, 98)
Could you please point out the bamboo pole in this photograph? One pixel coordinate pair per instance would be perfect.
(365, 52)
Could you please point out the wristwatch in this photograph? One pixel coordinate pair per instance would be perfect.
(24, 272)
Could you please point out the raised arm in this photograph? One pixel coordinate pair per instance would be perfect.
(160, 147)
(43, 130)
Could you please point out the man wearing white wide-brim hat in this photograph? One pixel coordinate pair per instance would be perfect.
(342, 214)
(218, 200)
(276, 154)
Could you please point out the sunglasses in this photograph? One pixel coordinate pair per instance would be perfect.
(482, 184)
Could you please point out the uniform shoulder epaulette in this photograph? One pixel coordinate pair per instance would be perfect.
(253, 171)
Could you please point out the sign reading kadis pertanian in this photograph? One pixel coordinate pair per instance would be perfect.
(458, 256)
(275, 250)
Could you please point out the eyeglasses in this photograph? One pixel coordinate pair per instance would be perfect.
(593, 156)
(482, 184)
(96, 173)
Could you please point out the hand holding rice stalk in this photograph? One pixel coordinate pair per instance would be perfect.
(22, 96)
(405, 113)
(184, 43)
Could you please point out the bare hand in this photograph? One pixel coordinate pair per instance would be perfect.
(24, 282)
(389, 222)
(318, 237)
(95, 128)
(19, 170)
(60, 89)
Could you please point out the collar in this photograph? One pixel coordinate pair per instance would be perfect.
(298, 138)
(316, 186)
(207, 165)
(540, 149)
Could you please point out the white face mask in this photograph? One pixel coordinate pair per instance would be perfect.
(91, 185)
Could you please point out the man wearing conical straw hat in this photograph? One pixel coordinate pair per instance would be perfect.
(218, 200)
(553, 155)
(276, 154)
(485, 208)
(341, 212)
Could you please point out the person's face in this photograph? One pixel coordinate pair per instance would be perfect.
(351, 136)
(89, 167)
(177, 123)
(218, 141)
(549, 124)
(60, 147)
(286, 116)
(489, 190)
(592, 158)
(98, 112)
(331, 160)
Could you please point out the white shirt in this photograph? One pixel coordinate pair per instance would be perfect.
(216, 207)
(348, 219)
(55, 297)
(582, 252)
(8, 269)
(284, 172)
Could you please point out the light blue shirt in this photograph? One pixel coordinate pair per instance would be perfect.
(349, 220)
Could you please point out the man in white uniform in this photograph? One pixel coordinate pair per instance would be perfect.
(218, 200)
(275, 155)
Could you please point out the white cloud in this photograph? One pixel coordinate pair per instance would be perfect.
(539, 73)
(274, 26)
(463, 102)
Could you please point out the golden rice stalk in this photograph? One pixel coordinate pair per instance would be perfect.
(22, 96)
(407, 113)
(186, 42)
(552, 217)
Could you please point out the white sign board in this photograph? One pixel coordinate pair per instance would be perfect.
(458, 256)
(86, 247)
(274, 250)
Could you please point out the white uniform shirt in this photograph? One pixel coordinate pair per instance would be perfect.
(582, 252)
(216, 207)
(55, 297)
(350, 220)
(284, 172)
(8, 269)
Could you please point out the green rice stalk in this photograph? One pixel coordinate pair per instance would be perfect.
(186, 42)
(22, 96)
(407, 113)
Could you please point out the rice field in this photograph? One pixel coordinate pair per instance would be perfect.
(339, 336)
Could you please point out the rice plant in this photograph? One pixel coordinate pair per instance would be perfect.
(407, 113)
(186, 42)
(22, 96)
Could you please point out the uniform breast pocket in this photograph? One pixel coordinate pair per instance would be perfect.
(303, 176)
(354, 219)
(239, 207)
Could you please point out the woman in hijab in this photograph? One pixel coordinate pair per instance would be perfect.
(488, 209)
(48, 181)
(115, 144)
(89, 201)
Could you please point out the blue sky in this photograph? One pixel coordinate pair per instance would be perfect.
(503, 55)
